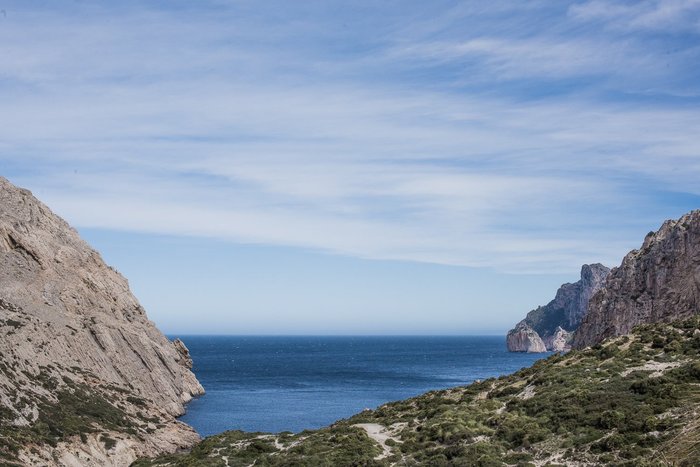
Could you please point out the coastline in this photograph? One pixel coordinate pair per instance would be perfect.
(277, 384)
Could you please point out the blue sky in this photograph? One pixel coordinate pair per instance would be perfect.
(396, 167)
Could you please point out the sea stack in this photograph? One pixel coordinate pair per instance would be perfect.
(660, 282)
(85, 377)
(550, 327)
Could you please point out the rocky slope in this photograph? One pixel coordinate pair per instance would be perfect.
(634, 401)
(85, 377)
(550, 327)
(659, 282)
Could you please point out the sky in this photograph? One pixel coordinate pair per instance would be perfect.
(382, 167)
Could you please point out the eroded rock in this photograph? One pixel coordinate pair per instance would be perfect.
(69, 326)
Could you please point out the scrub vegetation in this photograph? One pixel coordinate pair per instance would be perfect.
(632, 401)
(67, 409)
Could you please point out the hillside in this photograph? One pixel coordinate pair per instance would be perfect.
(85, 377)
(632, 401)
(551, 327)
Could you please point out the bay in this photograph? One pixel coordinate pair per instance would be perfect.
(293, 383)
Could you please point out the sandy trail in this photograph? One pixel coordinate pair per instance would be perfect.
(380, 434)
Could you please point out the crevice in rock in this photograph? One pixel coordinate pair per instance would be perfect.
(10, 243)
(145, 364)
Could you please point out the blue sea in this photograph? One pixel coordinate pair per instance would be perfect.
(278, 384)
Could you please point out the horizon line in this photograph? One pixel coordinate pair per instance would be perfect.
(169, 334)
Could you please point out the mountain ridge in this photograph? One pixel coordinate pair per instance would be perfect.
(659, 282)
(85, 377)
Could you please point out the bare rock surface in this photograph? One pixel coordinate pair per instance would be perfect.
(559, 341)
(70, 332)
(525, 339)
(660, 282)
(554, 323)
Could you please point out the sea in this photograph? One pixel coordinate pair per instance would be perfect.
(295, 383)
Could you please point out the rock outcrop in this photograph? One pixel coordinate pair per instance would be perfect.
(660, 282)
(85, 377)
(523, 338)
(554, 323)
(559, 341)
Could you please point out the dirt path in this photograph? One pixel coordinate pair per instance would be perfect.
(380, 434)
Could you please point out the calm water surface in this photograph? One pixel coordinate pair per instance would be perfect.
(295, 383)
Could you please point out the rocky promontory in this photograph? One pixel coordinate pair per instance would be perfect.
(660, 282)
(523, 338)
(85, 377)
(550, 327)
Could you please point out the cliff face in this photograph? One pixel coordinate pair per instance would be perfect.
(660, 282)
(85, 377)
(559, 341)
(523, 338)
(553, 323)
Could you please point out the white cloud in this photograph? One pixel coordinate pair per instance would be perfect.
(206, 126)
(549, 58)
(673, 16)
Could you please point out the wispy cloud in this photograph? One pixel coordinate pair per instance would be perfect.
(545, 58)
(477, 139)
(665, 16)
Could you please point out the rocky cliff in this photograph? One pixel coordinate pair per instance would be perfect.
(85, 377)
(559, 341)
(522, 338)
(660, 282)
(550, 327)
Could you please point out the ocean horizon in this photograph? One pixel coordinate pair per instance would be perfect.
(301, 382)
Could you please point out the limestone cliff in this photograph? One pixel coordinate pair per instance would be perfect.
(559, 341)
(85, 377)
(523, 338)
(553, 323)
(660, 282)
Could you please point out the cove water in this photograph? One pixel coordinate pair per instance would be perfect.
(275, 384)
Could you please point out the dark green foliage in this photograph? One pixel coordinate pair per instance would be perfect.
(546, 319)
(108, 442)
(334, 446)
(136, 401)
(78, 410)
